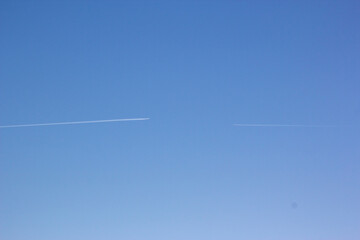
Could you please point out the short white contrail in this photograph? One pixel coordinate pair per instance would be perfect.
(72, 123)
(281, 125)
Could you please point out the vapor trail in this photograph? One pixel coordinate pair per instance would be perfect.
(72, 123)
(281, 125)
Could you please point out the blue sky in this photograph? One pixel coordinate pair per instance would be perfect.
(195, 68)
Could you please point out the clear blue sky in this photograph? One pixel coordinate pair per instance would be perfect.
(195, 68)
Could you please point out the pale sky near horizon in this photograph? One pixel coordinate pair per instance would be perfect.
(195, 68)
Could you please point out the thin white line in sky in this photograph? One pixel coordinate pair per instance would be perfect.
(72, 123)
(281, 125)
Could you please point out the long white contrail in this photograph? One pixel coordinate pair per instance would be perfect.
(72, 123)
(281, 125)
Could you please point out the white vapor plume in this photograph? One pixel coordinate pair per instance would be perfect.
(281, 125)
(72, 123)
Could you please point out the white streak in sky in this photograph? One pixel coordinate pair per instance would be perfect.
(282, 125)
(73, 123)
